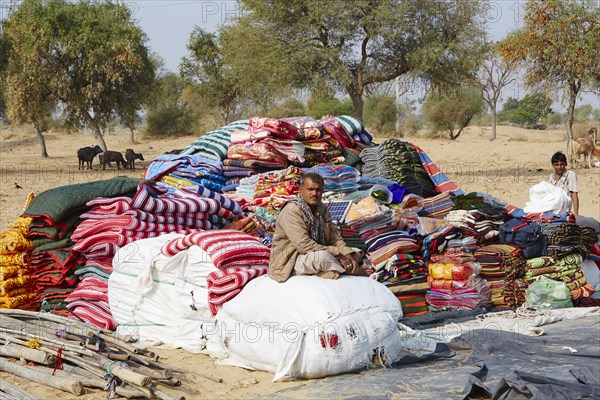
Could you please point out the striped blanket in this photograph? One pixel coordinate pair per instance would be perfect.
(224, 285)
(226, 248)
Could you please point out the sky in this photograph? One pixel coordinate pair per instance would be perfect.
(168, 23)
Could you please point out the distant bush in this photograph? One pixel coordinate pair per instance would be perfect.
(332, 106)
(168, 121)
(380, 114)
(289, 108)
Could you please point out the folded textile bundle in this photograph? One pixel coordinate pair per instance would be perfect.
(112, 223)
(565, 238)
(399, 161)
(214, 144)
(437, 206)
(55, 215)
(192, 168)
(16, 282)
(338, 178)
(565, 269)
(503, 264)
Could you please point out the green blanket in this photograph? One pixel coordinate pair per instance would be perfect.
(56, 205)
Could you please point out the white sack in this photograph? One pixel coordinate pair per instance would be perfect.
(546, 197)
(308, 327)
(158, 298)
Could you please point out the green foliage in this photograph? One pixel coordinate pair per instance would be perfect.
(510, 104)
(529, 111)
(583, 113)
(558, 45)
(281, 44)
(167, 92)
(452, 111)
(205, 68)
(168, 121)
(380, 114)
(90, 56)
(555, 119)
(3, 65)
(330, 106)
(289, 108)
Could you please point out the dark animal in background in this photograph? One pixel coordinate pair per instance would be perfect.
(86, 156)
(108, 156)
(131, 156)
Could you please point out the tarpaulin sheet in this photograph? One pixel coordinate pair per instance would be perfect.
(563, 363)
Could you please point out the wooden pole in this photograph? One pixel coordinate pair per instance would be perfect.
(64, 384)
(16, 351)
(14, 391)
(91, 382)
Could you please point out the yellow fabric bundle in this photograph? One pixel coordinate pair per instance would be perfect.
(9, 271)
(21, 224)
(176, 182)
(6, 286)
(364, 208)
(18, 259)
(13, 241)
(17, 301)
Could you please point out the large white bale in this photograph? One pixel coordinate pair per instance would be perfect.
(161, 299)
(308, 327)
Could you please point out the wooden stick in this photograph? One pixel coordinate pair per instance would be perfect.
(52, 317)
(92, 382)
(125, 374)
(64, 384)
(15, 391)
(165, 394)
(152, 373)
(13, 350)
(156, 364)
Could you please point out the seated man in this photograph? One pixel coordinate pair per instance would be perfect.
(307, 242)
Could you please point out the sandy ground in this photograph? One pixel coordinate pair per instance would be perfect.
(505, 168)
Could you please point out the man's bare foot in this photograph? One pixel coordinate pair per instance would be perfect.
(328, 274)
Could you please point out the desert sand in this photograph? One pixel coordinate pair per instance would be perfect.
(505, 168)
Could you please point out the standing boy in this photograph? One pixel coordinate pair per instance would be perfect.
(565, 179)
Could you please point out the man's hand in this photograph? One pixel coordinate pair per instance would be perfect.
(348, 263)
(352, 265)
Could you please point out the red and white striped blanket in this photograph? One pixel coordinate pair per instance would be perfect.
(226, 248)
(224, 285)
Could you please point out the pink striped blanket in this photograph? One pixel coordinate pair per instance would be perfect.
(226, 248)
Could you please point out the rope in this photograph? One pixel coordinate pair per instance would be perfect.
(58, 362)
(112, 381)
(524, 311)
(42, 305)
(34, 343)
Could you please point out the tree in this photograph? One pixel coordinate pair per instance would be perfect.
(583, 113)
(92, 54)
(288, 108)
(206, 69)
(528, 111)
(353, 44)
(510, 104)
(558, 45)
(453, 111)
(495, 74)
(380, 113)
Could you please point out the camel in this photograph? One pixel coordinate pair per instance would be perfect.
(585, 147)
